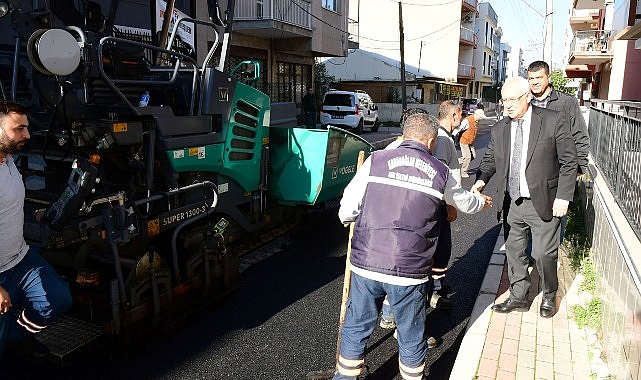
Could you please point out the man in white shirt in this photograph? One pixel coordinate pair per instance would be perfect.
(534, 155)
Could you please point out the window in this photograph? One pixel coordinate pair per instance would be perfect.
(291, 82)
(484, 60)
(332, 5)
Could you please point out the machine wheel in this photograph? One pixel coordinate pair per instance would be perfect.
(375, 126)
(359, 128)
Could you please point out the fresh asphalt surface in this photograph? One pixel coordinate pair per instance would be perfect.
(282, 322)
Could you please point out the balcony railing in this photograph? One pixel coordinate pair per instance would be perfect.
(465, 71)
(294, 12)
(592, 41)
(591, 47)
(468, 35)
(471, 3)
(587, 14)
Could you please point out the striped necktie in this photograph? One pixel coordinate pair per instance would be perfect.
(515, 163)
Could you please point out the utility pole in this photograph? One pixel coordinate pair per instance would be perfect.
(547, 49)
(400, 26)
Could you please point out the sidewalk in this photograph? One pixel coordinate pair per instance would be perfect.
(524, 345)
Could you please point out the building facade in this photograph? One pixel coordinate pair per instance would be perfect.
(286, 36)
(486, 56)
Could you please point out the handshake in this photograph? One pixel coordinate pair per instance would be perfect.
(477, 188)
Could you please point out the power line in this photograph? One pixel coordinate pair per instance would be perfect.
(374, 39)
(424, 5)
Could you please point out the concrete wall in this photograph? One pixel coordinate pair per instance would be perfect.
(615, 251)
(392, 112)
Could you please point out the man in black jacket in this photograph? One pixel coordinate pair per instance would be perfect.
(533, 156)
(545, 96)
(309, 107)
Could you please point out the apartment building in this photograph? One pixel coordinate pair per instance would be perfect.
(439, 45)
(605, 50)
(487, 54)
(591, 49)
(286, 36)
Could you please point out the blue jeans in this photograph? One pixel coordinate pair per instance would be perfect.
(364, 303)
(34, 285)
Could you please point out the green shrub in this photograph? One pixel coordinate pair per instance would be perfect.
(589, 315)
(575, 239)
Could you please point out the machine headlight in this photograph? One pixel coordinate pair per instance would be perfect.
(4, 8)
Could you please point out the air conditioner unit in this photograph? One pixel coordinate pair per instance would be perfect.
(466, 19)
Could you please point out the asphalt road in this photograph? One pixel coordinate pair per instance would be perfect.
(282, 322)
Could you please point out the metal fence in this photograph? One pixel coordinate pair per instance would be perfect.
(615, 134)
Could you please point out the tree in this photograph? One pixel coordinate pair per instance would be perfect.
(394, 95)
(322, 81)
(559, 81)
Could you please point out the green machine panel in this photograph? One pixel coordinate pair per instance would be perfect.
(309, 166)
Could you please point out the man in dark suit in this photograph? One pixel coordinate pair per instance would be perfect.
(534, 155)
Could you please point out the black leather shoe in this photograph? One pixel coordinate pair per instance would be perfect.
(510, 305)
(548, 308)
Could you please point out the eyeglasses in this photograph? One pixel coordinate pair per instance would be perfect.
(513, 100)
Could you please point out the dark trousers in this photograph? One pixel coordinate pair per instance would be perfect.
(310, 120)
(444, 247)
(522, 219)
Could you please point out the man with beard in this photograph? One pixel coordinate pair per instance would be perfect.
(32, 295)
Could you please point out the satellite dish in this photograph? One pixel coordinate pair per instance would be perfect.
(53, 51)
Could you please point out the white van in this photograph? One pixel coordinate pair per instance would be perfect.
(349, 110)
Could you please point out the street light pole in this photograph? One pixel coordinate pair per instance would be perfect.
(547, 49)
(400, 26)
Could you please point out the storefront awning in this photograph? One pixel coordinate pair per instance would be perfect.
(578, 71)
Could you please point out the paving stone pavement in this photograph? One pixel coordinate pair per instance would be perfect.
(523, 345)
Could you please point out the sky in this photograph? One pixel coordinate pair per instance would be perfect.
(523, 24)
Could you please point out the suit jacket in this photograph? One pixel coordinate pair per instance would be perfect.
(551, 160)
(565, 103)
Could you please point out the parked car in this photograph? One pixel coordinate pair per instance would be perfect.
(469, 106)
(349, 110)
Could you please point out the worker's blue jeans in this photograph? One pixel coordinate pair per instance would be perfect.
(364, 303)
(34, 286)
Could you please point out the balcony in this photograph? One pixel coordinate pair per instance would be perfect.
(469, 5)
(591, 47)
(468, 37)
(589, 4)
(584, 19)
(273, 18)
(466, 71)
